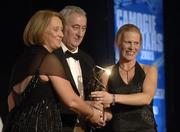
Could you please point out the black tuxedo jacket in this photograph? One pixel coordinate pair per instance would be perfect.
(86, 63)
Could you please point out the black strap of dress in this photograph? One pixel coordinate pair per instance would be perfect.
(28, 90)
(20, 98)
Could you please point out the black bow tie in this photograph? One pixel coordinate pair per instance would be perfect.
(73, 55)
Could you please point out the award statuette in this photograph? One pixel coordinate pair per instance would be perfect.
(95, 82)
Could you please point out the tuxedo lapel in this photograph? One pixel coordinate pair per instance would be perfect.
(86, 68)
(60, 54)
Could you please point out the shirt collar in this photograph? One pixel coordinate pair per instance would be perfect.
(64, 48)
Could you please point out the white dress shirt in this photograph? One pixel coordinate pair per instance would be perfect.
(75, 68)
(1, 125)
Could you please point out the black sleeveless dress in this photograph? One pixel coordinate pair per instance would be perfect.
(39, 111)
(127, 118)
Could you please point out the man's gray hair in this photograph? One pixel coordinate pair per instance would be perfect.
(68, 10)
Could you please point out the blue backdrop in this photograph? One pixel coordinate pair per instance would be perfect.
(148, 16)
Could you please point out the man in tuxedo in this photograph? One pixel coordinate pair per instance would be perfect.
(77, 64)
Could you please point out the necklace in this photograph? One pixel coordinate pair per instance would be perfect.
(127, 71)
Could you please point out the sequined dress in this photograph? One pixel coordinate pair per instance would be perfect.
(40, 111)
(127, 118)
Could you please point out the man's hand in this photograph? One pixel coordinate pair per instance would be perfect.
(96, 105)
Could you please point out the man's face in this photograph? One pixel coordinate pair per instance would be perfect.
(74, 31)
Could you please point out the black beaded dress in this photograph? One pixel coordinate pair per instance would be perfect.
(128, 118)
(39, 110)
